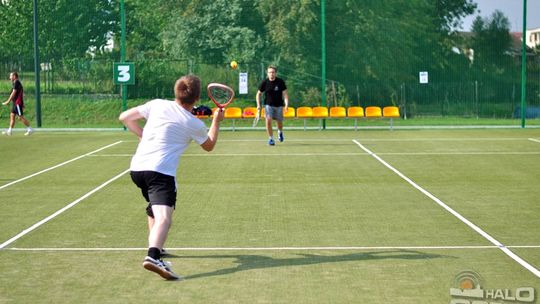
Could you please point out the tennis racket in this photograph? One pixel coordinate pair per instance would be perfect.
(256, 119)
(220, 94)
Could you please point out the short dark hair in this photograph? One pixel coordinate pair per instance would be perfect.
(272, 67)
(187, 89)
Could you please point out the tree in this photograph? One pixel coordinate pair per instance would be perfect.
(16, 30)
(145, 21)
(67, 28)
(491, 43)
(388, 43)
(212, 32)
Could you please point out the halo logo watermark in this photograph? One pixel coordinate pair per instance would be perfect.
(468, 290)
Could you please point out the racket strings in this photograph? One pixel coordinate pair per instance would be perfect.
(221, 95)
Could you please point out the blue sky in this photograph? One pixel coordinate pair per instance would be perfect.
(512, 9)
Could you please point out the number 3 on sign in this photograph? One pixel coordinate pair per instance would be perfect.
(124, 73)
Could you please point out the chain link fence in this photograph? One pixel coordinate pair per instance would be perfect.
(374, 55)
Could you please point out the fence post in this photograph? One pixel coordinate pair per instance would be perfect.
(404, 101)
(523, 64)
(36, 66)
(476, 99)
(323, 56)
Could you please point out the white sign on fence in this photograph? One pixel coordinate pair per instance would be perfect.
(423, 77)
(243, 83)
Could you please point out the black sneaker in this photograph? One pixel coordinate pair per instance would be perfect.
(280, 137)
(161, 268)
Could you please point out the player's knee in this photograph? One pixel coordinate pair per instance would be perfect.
(163, 222)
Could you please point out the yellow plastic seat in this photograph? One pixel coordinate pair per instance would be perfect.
(233, 113)
(304, 112)
(291, 113)
(373, 112)
(391, 112)
(320, 112)
(249, 112)
(338, 112)
(355, 112)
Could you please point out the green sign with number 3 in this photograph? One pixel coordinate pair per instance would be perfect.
(124, 73)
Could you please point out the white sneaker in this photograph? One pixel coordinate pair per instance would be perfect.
(7, 133)
(161, 268)
(28, 132)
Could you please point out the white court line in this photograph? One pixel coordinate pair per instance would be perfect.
(535, 140)
(491, 239)
(461, 153)
(368, 139)
(313, 248)
(245, 154)
(50, 217)
(331, 154)
(382, 139)
(446, 139)
(59, 165)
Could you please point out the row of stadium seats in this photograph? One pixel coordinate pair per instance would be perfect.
(305, 113)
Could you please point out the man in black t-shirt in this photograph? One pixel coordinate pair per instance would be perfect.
(276, 101)
(16, 97)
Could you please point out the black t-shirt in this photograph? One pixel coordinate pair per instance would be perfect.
(273, 92)
(18, 98)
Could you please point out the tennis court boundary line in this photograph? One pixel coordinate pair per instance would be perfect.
(535, 140)
(57, 166)
(312, 248)
(491, 239)
(335, 154)
(52, 216)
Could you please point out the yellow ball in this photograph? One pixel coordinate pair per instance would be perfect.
(234, 65)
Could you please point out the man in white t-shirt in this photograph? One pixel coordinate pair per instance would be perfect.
(169, 129)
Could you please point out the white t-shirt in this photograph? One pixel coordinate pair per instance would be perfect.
(168, 131)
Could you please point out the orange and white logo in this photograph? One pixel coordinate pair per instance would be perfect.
(469, 290)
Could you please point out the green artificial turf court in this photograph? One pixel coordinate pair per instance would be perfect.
(325, 217)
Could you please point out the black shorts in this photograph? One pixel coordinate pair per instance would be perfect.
(17, 110)
(157, 188)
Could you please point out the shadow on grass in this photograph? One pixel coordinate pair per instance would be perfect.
(249, 262)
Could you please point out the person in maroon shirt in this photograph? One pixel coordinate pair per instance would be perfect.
(16, 97)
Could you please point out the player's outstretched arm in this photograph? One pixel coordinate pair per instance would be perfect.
(210, 143)
(130, 119)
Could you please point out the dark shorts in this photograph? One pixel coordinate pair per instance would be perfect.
(157, 188)
(17, 110)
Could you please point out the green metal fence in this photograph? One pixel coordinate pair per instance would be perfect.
(375, 52)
